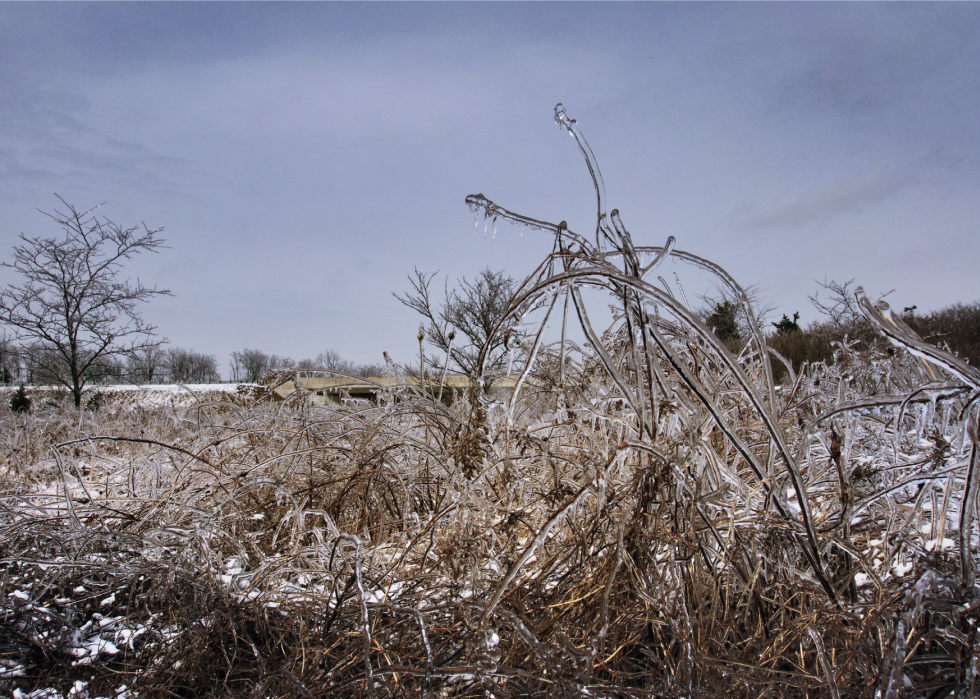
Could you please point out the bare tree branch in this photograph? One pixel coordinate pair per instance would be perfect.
(838, 303)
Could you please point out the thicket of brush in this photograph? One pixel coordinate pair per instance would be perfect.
(647, 515)
(955, 328)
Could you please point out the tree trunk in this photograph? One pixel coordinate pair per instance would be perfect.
(76, 390)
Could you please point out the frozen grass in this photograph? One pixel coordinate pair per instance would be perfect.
(647, 515)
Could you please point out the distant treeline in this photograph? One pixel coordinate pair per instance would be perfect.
(955, 327)
(32, 364)
(249, 365)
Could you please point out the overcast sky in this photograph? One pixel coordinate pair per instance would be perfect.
(303, 158)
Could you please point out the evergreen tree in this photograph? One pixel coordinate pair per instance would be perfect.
(723, 321)
(20, 402)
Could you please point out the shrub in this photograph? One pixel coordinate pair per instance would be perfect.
(94, 401)
(20, 402)
(723, 321)
(955, 327)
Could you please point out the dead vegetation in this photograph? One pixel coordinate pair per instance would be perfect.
(646, 515)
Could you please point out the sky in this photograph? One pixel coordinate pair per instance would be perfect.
(303, 159)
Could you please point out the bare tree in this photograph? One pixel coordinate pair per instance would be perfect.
(277, 362)
(108, 369)
(146, 365)
(249, 365)
(838, 303)
(463, 323)
(72, 302)
(206, 369)
(188, 366)
(179, 364)
(33, 364)
(331, 359)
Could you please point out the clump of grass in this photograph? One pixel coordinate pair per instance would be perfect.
(648, 514)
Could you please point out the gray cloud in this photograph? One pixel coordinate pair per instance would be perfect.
(48, 135)
(850, 195)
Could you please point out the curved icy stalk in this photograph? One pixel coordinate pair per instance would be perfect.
(530, 360)
(743, 299)
(491, 209)
(665, 251)
(637, 367)
(626, 240)
(967, 513)
(561, 349)
(898, 333)
(600, 188)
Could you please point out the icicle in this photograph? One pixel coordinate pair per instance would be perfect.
(680, 288)
(476, 207)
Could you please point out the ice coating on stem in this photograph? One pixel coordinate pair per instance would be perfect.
(570, 125)
(660, 256)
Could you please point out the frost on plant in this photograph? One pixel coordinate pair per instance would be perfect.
(647, 513)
